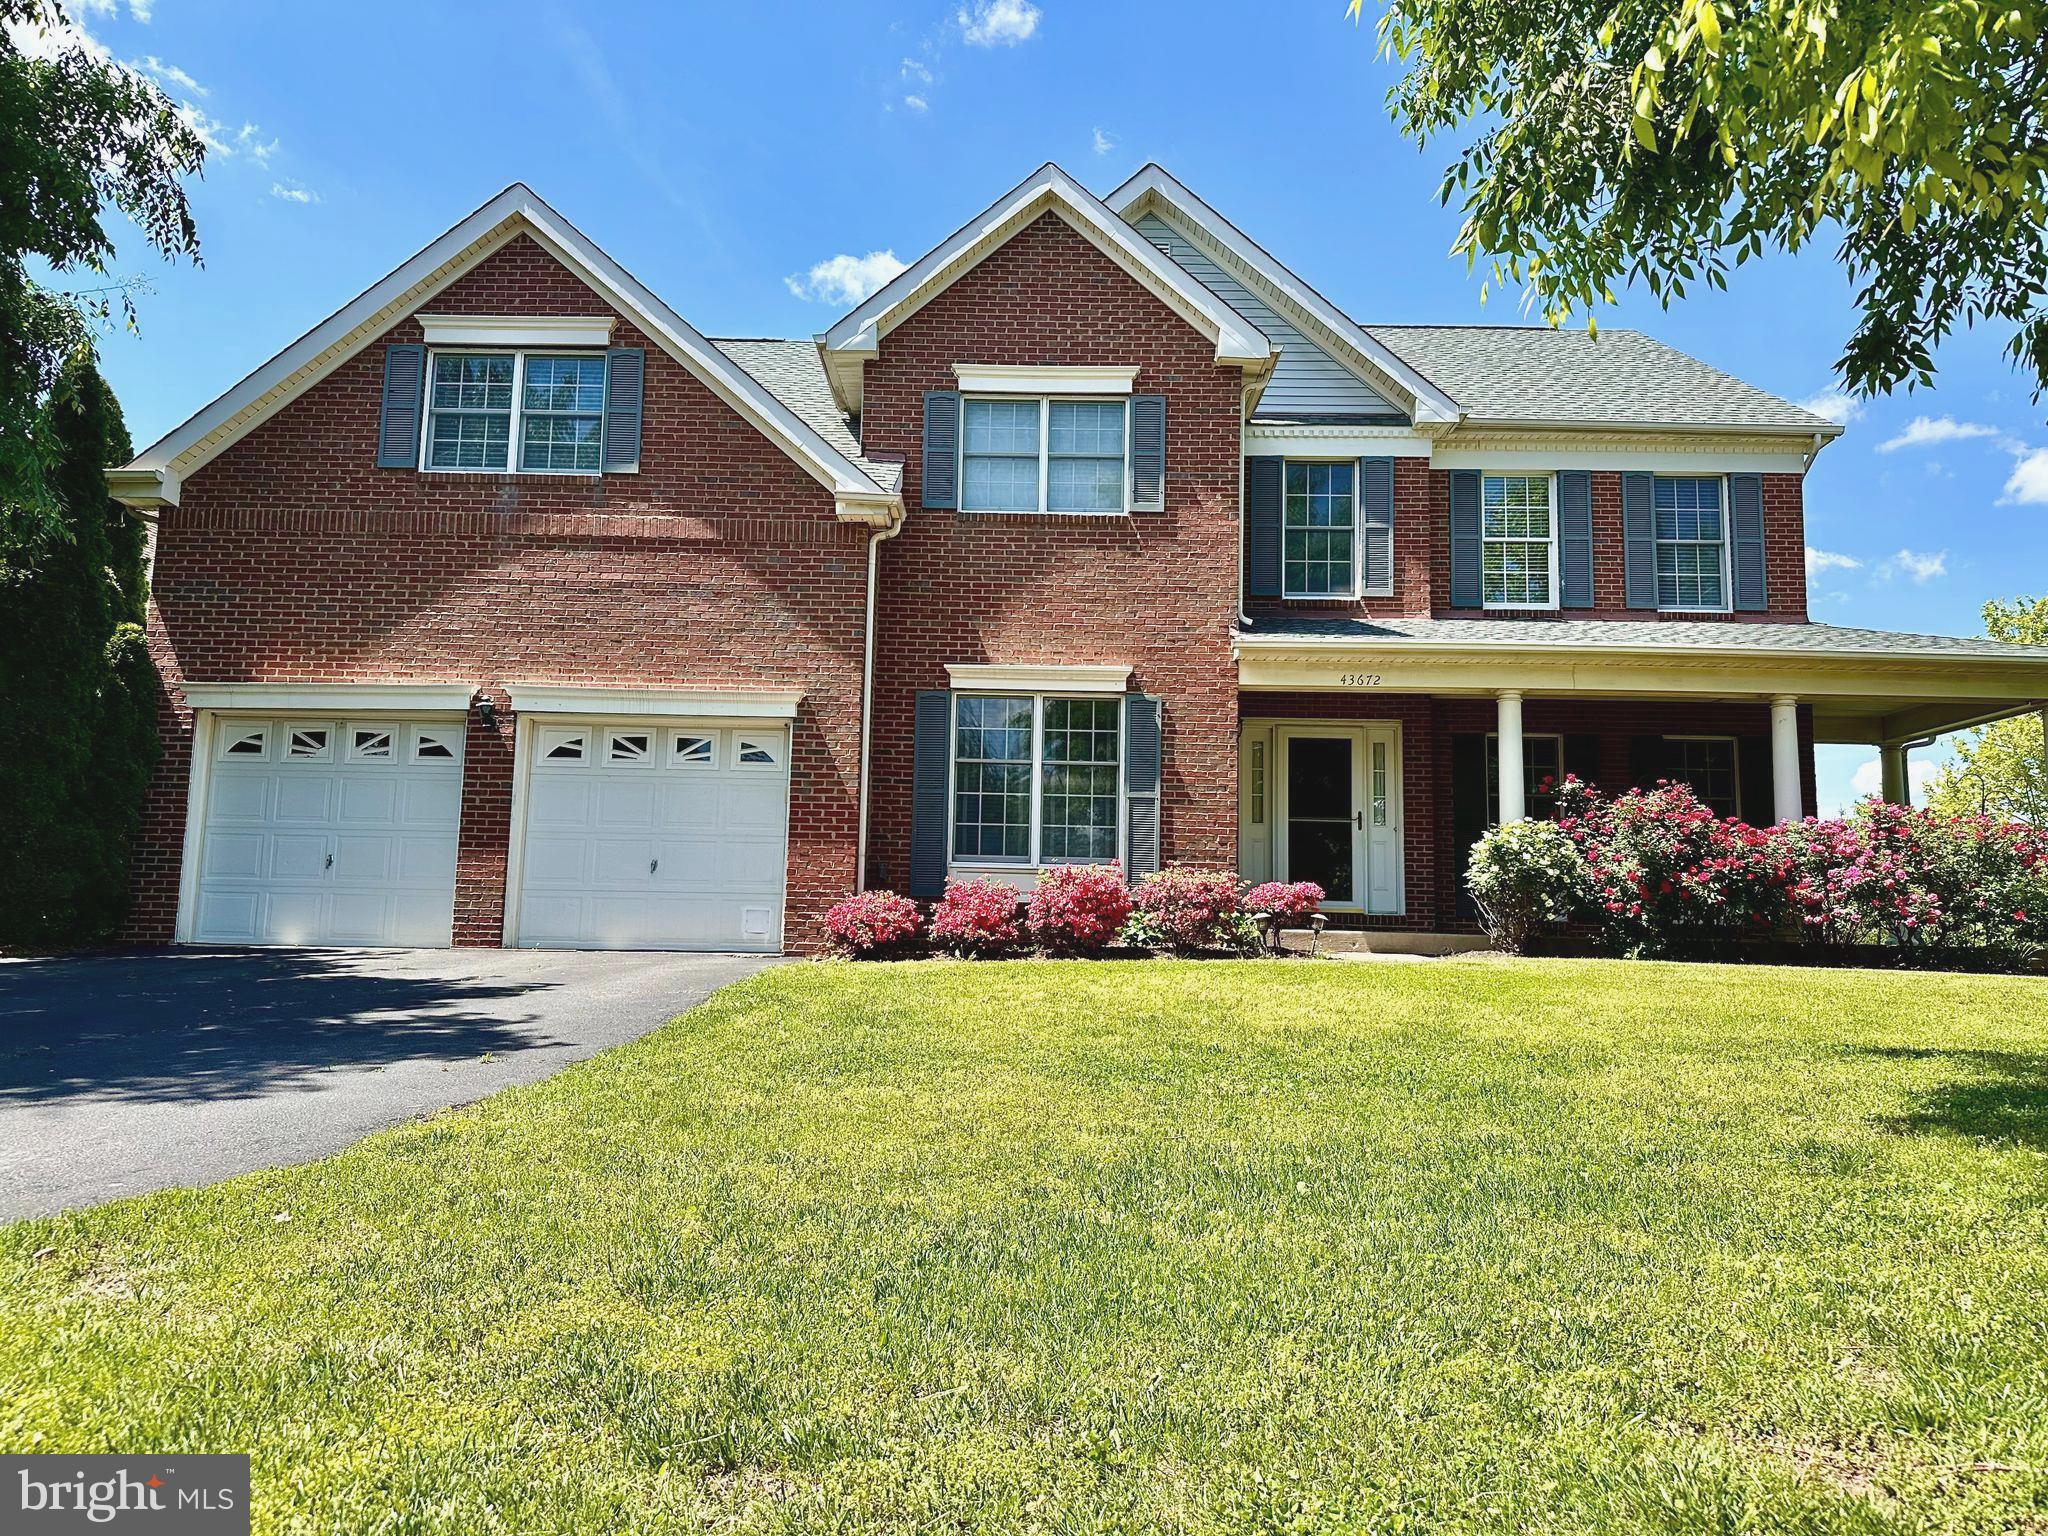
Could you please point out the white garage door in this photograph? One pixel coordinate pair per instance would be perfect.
(645, 835)
(330, 832)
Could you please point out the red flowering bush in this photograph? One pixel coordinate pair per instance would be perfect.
(1076, 909)
(978, 917)
(1285, 899)
(1190, 911)
(872, 925)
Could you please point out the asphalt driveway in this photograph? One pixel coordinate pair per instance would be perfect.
(138, 1071)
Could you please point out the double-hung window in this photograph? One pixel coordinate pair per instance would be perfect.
(547, 407)
(1542, 772)
(1319, 530)
(1692, 542)
(1518, 541)
(1040, 454)
(1035, 779)
(1709, 765)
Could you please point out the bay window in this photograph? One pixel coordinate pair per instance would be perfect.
(1035, 778)
(551, 404)
(1518, 541)
(1041, 454)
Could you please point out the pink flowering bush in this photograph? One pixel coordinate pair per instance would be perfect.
(1076, 909)
(1284, 899)
(872, 925)
(978, 918)
(1189, 911)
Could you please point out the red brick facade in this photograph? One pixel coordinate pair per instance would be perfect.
(292, 557)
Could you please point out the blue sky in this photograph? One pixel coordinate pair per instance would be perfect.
(748, 160)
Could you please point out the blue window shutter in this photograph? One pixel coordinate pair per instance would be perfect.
(942, 448)
(1262, 527)
(1575, 538)
(1466, 590)
(1141, 784)
(930, 759)
(1746, 552)
(625, 382)
(1639, 541)
(398, 431)
(1148, 453)
(1376, 526)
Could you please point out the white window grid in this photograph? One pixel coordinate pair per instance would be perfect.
(1035, 794)
(1332, 501)
(516, 413)
(1517, 568)
(1046, 457)
(1696, 564)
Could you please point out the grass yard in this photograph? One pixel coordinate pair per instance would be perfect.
(1466, 1246)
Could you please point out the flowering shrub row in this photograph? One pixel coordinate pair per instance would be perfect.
(1072, 910)
(1656, 872)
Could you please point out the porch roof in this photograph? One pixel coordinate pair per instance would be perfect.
(1864, 685)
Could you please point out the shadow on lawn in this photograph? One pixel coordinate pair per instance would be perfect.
(1995, 1096)
(179, 1025)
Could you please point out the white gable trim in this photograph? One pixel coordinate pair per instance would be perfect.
(857, 336)
(515, 211)
(1153, 184)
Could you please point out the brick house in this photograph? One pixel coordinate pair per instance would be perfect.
(506, 607)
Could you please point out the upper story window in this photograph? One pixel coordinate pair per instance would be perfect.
(1319, 530)
(1518, 541)
(1035, 778)
(550, 404)
(1692, 542)
(1041, 454)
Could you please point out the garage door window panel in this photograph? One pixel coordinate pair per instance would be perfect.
(756, 752)
(563, 746)
(436, 744)
(629, 749)
(370, 743)
(246, 741)
(690, 750)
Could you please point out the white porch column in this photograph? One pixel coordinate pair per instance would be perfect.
(1513, 806)
(1785, 791)
(1895, 789)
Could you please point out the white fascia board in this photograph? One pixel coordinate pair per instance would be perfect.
(1668, 654)
(517, 330)
(514, 211)
(144, 488)
(1040, 679)
(657, 703)
(354, 698)
(984, 379)
(1431, 403)
(859, 332)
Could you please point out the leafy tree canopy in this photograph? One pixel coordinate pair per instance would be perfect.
(1999, 770)
(1662, 141)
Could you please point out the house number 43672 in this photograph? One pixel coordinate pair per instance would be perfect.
(1360, 679)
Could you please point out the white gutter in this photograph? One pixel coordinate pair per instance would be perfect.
(867, 701)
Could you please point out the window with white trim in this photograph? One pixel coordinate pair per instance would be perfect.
(549, 403)
(1692, 542)
(1517, 541)
(1542, 772)
(1711, 766)
(1044, 454)
(1035, 778)
(1319, 530)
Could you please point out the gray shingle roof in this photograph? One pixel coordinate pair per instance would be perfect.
(1622, 634)
(1527, 373)
(794, 374)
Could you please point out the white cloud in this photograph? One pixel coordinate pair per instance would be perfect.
(845, 280)
(998, 23)
(916, 103)
(1924, 431)
(1819, 560)
(249, 138)
(1918, 566)
(917, 69)
(213, 133)
(2027, 486)
(40, 40)
(170, 76)
(1869, 777)
(1836, 405)
(291, 192)
(1103, 143)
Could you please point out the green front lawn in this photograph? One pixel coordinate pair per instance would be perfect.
(1472, 1245)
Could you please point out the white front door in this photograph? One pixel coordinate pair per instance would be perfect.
(325, 831)
(1336, 804)
(646, 834)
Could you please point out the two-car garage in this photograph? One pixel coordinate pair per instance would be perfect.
(639, 819)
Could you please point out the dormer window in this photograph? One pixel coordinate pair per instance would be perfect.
(551, 404)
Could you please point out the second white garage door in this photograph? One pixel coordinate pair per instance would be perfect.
(651, 835)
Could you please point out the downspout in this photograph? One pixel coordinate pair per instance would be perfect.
(867, 698)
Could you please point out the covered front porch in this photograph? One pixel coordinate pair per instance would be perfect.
(1373, 754)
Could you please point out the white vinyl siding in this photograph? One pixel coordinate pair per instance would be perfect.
(550, 403)
(1042, 454)
(1691, 519)
(1518, 541)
